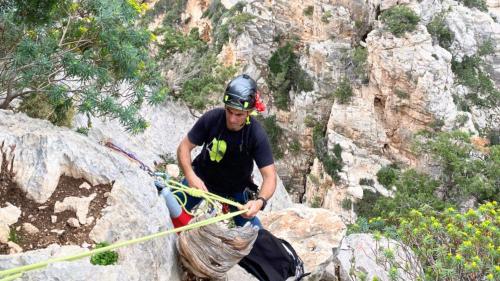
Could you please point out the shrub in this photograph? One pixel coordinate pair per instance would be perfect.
(479, 4)
(401, 94)
(308, 11)
(365, 181)
(286, 74)
(176, 42)
(295, 146)
(104, 258)
(400, 19)
(343, 93)
(482, 91)
(440, 31)
(332, 160)
(275, 134)
(387, 175)
(346, 204)
(326, 17)
(359, 58)
(466, 172)
(455, 246)
(316, 202)
(58, 112)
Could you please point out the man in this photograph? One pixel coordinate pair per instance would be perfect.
(231, 141)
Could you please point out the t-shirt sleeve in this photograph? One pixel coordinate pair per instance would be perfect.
(263, 154)
(199, 132)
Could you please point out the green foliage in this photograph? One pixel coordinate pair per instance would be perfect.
(346, 204)
(343, 93)
(316, 202)
(486, 48)
(466, 171)
(479, 4)
(494, 137)
(400, 19)
(455, 246)
(308, 11)
(94, 44)
(295, 146)
(275, 134)
(326, 17)
(41, 106)
(226, 21)
(83, 130)
(387, 175)
(401, 94)
(202, 89)
(365, 181)
(440, 31)
(482, 91)
(359, 59)
(286, 74)
(309, 121)
(332, 160)
(176, 42)
(14, 236)
(104, 258)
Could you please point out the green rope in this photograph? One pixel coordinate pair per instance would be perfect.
(13, 273)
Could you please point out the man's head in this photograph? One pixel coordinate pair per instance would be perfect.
(239, 98)
(241, 93)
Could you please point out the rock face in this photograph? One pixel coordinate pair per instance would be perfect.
(43, 153)
(358, 255)
(312, 232)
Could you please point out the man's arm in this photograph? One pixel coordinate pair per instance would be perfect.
(184, 159)
(266, 191)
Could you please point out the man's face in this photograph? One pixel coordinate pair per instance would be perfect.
(235, 118)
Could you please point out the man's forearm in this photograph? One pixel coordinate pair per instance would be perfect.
(269, 179)
(184, 158)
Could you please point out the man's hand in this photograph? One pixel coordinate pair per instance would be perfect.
(196, 182)
(253, 207)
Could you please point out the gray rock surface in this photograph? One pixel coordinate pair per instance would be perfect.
(43, 153)
(361, 254)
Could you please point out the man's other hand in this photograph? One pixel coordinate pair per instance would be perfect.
(195, 182)
(253, 207)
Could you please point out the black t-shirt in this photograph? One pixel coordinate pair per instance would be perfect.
(225, 163)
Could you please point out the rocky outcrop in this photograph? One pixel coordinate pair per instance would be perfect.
(44, 153)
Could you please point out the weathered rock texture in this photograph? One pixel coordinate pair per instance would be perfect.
(43, 153)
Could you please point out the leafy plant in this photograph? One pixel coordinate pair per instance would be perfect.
(14, 236)
(346, 204)
(308, 11)
(275, 134)
(295, 146)
(479, 4)
(332, 160)
(440, 31)
(343, 93)
(104, 258)
(365, 181)
(94, 44)
(286, 74)
(326, 17)
(359, 59)
(400, 19)
(387, 176)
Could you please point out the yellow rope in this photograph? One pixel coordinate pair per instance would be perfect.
(13, 273)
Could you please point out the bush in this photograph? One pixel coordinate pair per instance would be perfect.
(365, 181)
(387, 175)
(400, 19)
(326, 17)
(104, 258)
(479, 4)
(455, 246)
(346, 204)
(58, 112)
(176, 42)
(332, 160)
(295, 146)
(275, 134)
(286, 74)
(359, 58)
(440, 31)
(308, 11)
(466, 171)
(343, 93)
